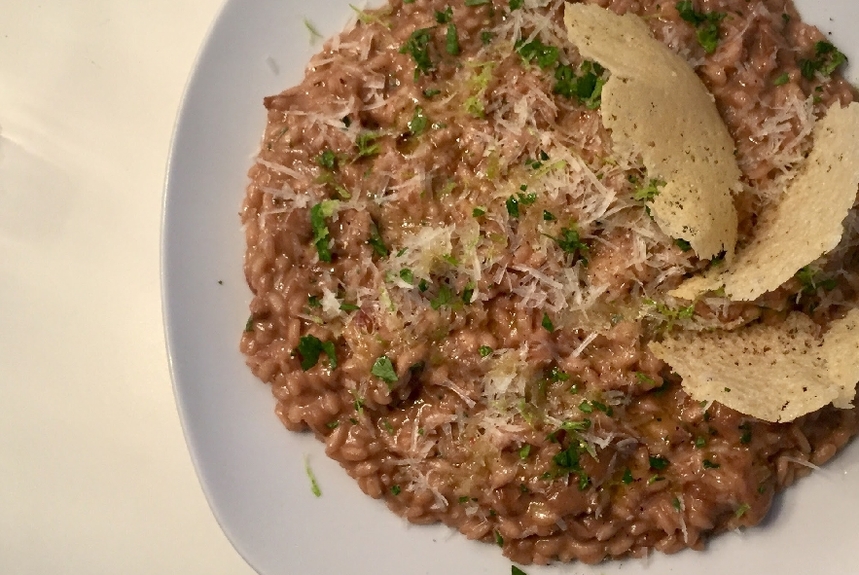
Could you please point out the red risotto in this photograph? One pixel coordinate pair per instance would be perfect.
(455, 278)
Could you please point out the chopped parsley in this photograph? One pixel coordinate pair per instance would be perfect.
(478, 211)
(516, 571)
(384, 370)
(582, 425)
(707, 24)
(658, 463)
(499, 540)
(782, 79)
(682, 244)
(311, 347)
(444, 17)
(746, 435)
(313, 301)
(700, 442)
(827, 58)
(486, 37)
(419, 122)
(347, 307)
(570, 243)
(586, 87)
(367, 144)
(327, 159)
(513, 206)
(430, 92)
(249, 324)
(417, 46)
(333, 424)
(525, 451)
(710, 465)
(484, 350)
(810, 280)
(423, 285)
(586, 407)
(644, 378)
(547, 323)
(318, 214)
(627, 476)
(557, 374)
(476, 2)
(407, 276)
(675, 503)
(548, 216)
(545, 56)
(515, 4)
(451, 40)
(648, 191)
(741, 510)
(443, 297)
(377, 243)
(396, 490)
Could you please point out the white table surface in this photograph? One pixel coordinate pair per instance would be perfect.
(94, 473)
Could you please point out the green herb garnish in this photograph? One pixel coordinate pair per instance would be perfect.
(451, 40)
(311, 347)
(419, 122)
(417, 46)
(484, 350)
(384, 370)
(547, 323)
(318, 214)
(314, 485)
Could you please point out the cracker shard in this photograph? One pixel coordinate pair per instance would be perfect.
(805, 224)
(775, 373)
(657, 107)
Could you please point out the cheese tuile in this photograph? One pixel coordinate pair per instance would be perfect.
(806, 223)
(776, 373)
(657, 107)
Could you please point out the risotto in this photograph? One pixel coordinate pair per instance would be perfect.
(455, 276)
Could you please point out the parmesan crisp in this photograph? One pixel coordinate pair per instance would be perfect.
(807, 221)
(775, 373)
(657, 107)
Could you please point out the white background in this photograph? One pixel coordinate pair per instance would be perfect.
(94, 473)
(95, 477)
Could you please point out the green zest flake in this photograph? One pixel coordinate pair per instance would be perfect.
(314, 33)
(419, 122)
(443, 298)
(376, 242)
(515, 4)
(486, 37)
(582, 425)
(782, 80)
(513, 206)
(451, 40)
(648, 192)
(644, 378)
(741, 510)
(396, 490)
(318, 214)
(249, 325)
(710, 465)
(430, 92)
(586, 87)
(525, 451)
(547, 323)
(384, 370)
(417, 46)
(347, 307)
(310, 348)
(444, 17)
(658, 463)
(545, 56)
(627, 477)
(407, 276)
(314, 485)
(367, 145)
(516, 571)
(327, 159)
(478, 211)
(498, 539)
(548, 216)
(827, 58)
(682, 244)
(484, 350)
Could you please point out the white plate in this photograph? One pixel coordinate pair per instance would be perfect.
(252, 469)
